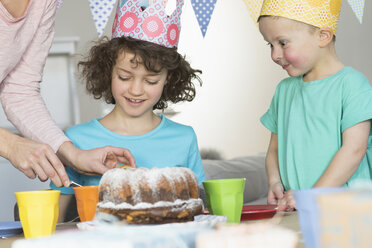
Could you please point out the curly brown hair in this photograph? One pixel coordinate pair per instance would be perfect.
(98, 66)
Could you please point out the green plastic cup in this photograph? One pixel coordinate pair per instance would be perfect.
(225, 197)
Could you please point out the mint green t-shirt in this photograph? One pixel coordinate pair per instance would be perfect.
(309, 119)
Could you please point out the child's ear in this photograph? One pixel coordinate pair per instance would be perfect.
(168, 78)
(325, 36)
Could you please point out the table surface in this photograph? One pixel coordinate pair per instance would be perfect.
(288, 220)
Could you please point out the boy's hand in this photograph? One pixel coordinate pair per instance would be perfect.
(276, 192)
(288, 202)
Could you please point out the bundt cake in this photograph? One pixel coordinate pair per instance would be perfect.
(150, 196)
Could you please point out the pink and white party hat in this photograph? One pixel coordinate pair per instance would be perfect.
(151, 24)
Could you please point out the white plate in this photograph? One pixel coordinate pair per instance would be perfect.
(199, 220)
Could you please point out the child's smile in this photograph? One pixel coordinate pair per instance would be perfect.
(134, 102)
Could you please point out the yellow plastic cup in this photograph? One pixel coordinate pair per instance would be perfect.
(86, 201)
(225, 197)
(38, 212)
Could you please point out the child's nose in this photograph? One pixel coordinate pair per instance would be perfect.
(276, 55)
(136, 87)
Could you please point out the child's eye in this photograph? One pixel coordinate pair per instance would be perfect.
(269, 44)
(152, 82)
(283, 42)
(123, 78)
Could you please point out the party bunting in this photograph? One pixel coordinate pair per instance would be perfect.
(59, 3)
(101, 11)
(203, 10)
(358, 8)
(254, 8)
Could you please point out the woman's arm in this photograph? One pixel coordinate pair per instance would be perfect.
(95, 161)
(32, 158)
(22, 102)
(25, 108)
(348, 157)
(20, 92)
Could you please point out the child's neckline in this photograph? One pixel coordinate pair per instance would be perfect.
(323, 79)
(121, 136)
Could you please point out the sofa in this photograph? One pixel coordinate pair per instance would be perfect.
(250, 167)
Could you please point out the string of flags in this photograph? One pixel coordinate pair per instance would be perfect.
(203, 9)
(101, 11)
(59, 3)
(358, 8)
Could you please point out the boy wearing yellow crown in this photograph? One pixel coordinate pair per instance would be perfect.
(319, 117)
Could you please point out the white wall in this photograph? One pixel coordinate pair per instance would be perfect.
(237, 88)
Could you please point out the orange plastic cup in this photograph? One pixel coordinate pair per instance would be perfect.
(86, 201)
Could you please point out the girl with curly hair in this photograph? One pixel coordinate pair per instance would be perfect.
(138, 77)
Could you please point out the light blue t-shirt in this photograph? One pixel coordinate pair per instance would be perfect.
(170, 144)
(309, 119)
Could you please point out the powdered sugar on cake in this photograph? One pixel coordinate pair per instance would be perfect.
(178, 204)
(116, 179)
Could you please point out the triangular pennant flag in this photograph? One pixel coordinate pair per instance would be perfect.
(59, 3)
(254, 8)
(101, 11)
(203, 10)
(358, 8)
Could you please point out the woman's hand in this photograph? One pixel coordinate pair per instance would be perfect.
(275, 194)
(95, 161)
(34, 159)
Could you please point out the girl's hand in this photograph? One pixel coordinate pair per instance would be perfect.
(95, 161)
(288, 202)
(276, 192)
(36, 160)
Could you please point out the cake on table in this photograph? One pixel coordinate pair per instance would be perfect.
(150, 196)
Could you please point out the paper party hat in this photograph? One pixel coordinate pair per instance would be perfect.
(319, 13)
(150, 24)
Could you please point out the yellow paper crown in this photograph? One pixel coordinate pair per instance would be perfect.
(319, 13)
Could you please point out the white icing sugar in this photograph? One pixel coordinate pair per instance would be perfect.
(116, 178)
(191, 203)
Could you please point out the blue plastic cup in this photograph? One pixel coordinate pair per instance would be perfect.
(308, 213)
